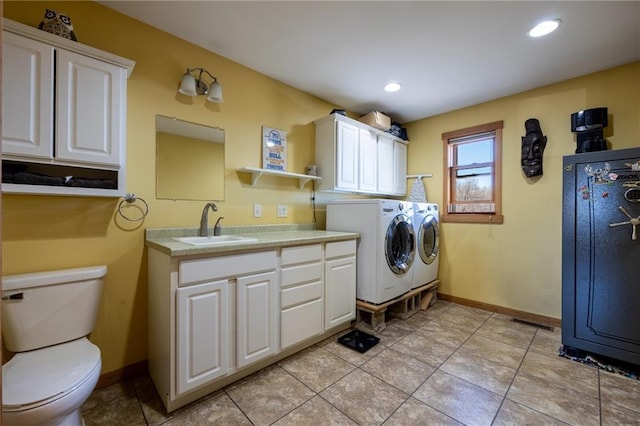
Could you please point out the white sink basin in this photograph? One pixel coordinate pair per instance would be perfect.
(220, 239)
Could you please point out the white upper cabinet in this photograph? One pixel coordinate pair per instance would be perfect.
(354, 157)
(64, 114)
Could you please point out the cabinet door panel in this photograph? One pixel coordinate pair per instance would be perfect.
(202, 334)
(90, 96)
(27, 97)
(400, 160)
(256, 317)
(301, 322)
(386, 179)
(368, 176)
(347, 157)
(340, 291)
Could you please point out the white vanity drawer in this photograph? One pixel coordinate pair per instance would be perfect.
(300, 294)
(340, 248)
(300, 323)
(301, 254)
(197, 270)
(300, 274)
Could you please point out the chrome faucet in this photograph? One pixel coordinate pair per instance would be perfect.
(204, 220)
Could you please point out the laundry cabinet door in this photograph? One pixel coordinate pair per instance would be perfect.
(202, 334)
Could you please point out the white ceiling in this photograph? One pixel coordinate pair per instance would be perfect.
(446, 54)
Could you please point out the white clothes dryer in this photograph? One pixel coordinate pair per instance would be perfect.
(427, 230)
(386, 248)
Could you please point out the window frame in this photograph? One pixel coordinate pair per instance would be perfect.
(449, 165)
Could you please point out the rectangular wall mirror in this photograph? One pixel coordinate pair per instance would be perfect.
(189, 160)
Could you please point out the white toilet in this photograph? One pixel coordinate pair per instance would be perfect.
(46, 317)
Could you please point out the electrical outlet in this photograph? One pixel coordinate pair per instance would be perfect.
(257, 210)
(282, 210)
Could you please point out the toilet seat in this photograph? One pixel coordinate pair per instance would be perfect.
(35, 378)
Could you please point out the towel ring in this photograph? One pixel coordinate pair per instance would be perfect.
(131, 198)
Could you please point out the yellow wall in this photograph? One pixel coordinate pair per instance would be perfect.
(43, 232)
(518, 264)
(515, 265)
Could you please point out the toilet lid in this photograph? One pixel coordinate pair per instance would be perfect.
(48, 373)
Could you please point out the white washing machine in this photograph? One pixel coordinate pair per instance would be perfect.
(386, 248)
(427, 230)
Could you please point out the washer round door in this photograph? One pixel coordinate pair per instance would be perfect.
(400, 244)
(428, 239)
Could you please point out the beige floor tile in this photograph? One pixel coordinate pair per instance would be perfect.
(562, 403)
(402, 371)
(216, 410)
(511, 413)
(459, 399)
(507, 355)
(417, 413)
(268, 395)
(317, 367)
(470, 311)
(455, 318)
(439, 331)
(364, 398)
(316, 411)
(390, 335)
(479, 371)
(424, 349)
(547, 342)
(507, 333)
(120, 411)
(562, 372)
(620, 390)
(616, 415)
(109, 393)
(412, 323)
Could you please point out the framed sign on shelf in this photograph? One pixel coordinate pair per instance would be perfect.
(274, 149)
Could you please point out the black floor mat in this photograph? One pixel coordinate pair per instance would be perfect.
(600, 361)
(358, 340)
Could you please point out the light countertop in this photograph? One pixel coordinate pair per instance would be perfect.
(265, 236)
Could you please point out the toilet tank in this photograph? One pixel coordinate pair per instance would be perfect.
(46, 308)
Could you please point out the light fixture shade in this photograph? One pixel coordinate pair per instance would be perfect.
(188, 85)
(215, 92)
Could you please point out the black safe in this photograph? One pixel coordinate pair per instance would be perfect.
(601, 253)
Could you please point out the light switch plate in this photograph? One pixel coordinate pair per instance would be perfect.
(282, 210)
(257, 210)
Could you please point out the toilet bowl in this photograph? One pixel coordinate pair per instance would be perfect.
(45, 319)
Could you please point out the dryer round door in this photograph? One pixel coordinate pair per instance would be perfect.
(428, 239)
(400, 244)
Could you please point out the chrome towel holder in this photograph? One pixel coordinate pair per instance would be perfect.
(129, 199)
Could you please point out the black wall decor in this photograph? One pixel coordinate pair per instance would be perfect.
(588, 126)
(533, 144)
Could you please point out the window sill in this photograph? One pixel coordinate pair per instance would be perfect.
(472, 218)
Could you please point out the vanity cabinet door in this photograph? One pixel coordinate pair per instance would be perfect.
(202, 334)
(340, 283)
(256, 319)
(27, 97)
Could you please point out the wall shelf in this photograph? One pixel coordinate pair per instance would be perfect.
(256, 173)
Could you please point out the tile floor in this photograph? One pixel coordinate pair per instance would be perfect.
(450, 365)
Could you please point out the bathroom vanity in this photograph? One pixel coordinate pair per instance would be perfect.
(221, 311)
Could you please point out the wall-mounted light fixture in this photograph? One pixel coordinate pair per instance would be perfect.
(194, 86)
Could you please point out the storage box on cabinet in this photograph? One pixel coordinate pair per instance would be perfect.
(64, 124)
(300, 294)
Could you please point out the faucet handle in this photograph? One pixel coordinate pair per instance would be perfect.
(217, 229)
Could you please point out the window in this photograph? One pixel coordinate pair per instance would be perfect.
(473, 174)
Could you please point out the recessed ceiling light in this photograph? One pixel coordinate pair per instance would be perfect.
(392, 87)
(544, 28)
